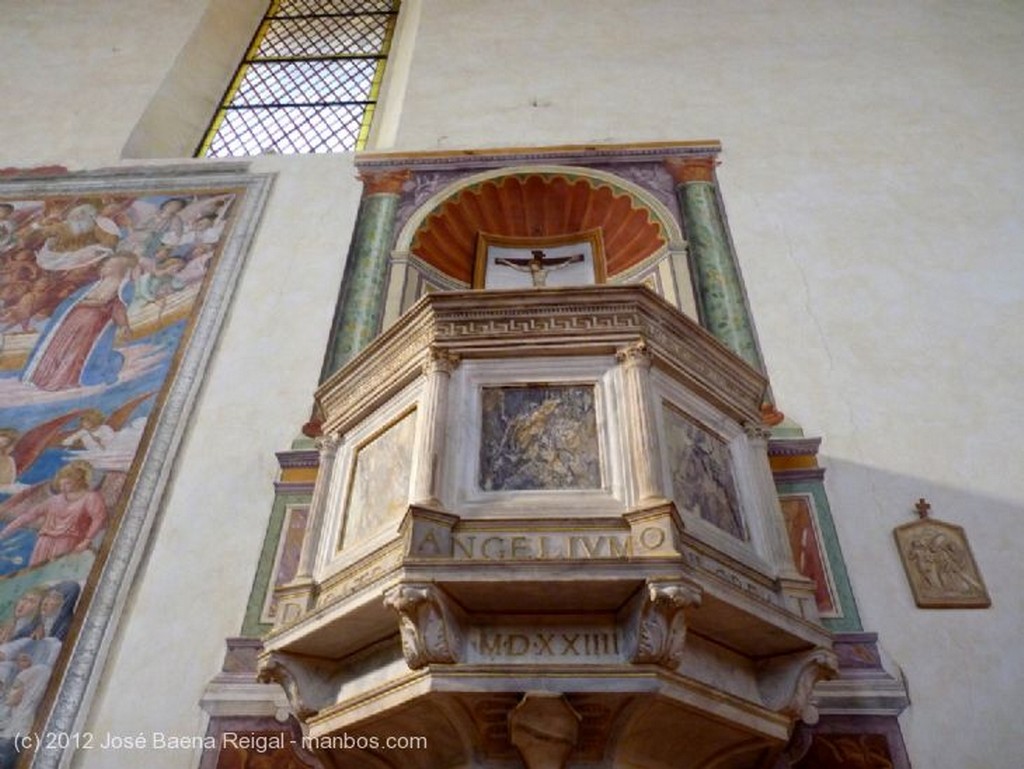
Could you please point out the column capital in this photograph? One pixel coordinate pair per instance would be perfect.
(440, 360)
(634, 354)
(383, 182)
(697, 169)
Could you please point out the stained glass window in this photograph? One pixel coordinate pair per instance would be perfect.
(309, 81)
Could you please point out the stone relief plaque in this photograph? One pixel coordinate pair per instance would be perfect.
(379, 490)
(701, 473)
(939, 564)
(539, 437)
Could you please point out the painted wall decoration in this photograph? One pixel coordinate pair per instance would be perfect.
(701, 473)
(539, 437)
(286, 560)
(808, 549)
(102, 285)
(379, 490)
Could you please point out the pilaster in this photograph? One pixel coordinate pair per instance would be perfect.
(361, 299)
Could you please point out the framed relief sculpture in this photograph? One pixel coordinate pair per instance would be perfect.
(939, 564)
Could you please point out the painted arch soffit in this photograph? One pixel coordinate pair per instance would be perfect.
(540, 202)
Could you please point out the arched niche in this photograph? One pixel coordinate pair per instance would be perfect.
(539, 206)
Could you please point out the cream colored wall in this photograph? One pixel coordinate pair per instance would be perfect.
(874, 177)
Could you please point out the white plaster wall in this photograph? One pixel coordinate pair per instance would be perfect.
(874, 177)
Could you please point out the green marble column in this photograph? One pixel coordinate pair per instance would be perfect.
(361, 299)
(721, 298)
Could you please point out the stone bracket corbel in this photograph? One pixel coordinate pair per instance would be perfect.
(786, 682)
(428, 623)
(658, 630)
(309, 684)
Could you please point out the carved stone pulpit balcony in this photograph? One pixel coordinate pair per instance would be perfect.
(545, 533)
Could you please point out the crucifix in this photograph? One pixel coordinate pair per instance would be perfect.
(922, 508)
(538, 266)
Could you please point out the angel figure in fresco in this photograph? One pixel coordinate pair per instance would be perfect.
(538, 266)
(108, 442)
(77, 346)
(19, 451)
(71, 516)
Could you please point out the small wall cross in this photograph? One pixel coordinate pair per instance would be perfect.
(922, 508)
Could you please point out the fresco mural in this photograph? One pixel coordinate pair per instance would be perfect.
(97, 295)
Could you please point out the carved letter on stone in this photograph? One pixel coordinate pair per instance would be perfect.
(786, 682)
(427, 625)
(661, 622)
(544, 728)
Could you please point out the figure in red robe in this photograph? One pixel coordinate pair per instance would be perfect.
(77, 347)
(71, 516)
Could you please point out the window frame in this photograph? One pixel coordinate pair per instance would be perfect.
(274, 13)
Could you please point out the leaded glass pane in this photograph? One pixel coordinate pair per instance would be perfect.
(287, 130)
(306, 82)
(323, 36)
(296, 7)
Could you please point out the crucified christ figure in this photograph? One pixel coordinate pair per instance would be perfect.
(539, 265)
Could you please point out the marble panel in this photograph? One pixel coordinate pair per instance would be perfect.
(539, 437)
(379, 489)
(701, 473)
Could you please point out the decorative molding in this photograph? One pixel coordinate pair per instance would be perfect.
(573, 153)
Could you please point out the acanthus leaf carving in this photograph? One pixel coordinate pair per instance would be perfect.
(660, 624)
(427, 624)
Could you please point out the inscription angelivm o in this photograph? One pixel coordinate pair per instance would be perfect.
(502, 547)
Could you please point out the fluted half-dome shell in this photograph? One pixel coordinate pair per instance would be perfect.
(536, 206)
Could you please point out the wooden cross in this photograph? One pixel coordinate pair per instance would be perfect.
(922, 508)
